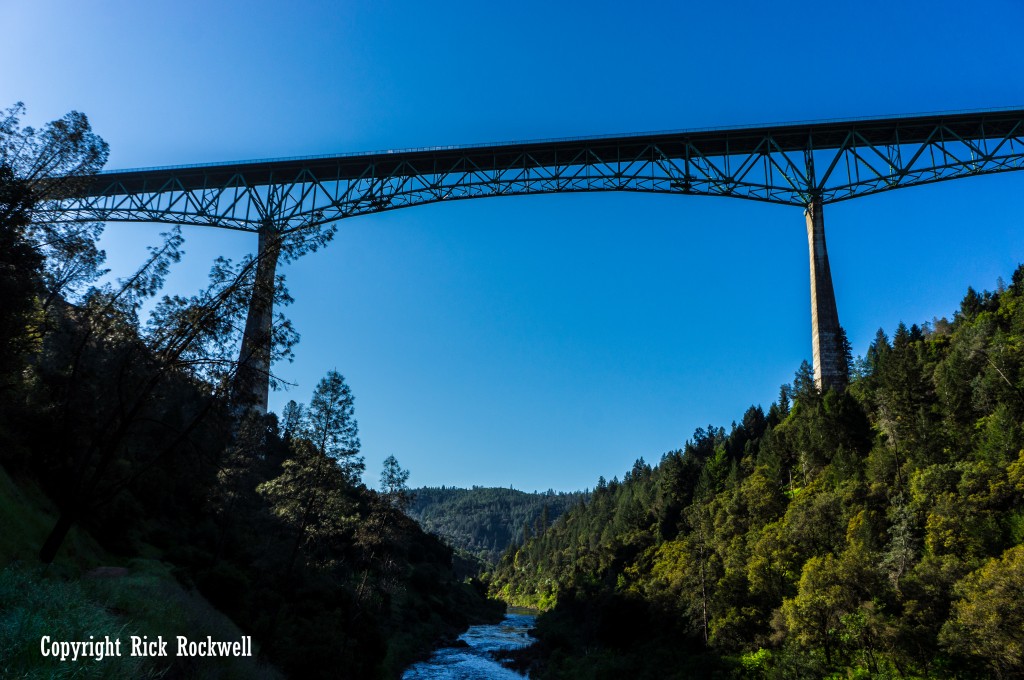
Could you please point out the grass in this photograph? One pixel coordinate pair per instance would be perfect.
(27, 516)
(67, 603)
(33, 605)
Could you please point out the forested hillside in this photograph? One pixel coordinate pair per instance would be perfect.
(119, 426)
(875, 532)
(486, 521)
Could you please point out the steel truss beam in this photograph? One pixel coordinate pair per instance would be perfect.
(775, 164)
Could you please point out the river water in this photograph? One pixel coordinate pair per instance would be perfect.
(475, 661)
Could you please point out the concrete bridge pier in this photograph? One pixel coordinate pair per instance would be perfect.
(826, 336)
(251, 388)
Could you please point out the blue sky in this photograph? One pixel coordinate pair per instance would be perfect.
(543, 341)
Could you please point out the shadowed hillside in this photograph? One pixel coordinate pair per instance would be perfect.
(129, 453)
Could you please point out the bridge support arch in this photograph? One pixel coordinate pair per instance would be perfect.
(827, 344)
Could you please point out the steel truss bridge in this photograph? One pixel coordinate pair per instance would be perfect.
(805, 164)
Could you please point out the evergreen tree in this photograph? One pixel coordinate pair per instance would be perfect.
(309, 496)
(20, 269)
(393, 484)
(292, 417)
(987, 621)
(331, 427)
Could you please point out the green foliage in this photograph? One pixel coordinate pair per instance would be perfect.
(870, 533)
(32, 606)
(486, 522)
(987, 622)
(144, 600)
(393, 485)
(309, 497)
(330, 425)
(20, 273)
(39, 261)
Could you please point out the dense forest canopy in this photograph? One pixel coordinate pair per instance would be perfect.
(875, 532)
(485, 521)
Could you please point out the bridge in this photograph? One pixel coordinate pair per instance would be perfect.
(805, 164)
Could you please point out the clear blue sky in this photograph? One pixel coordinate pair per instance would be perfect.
(542, 341)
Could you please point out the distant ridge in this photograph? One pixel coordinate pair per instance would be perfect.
(485, 521)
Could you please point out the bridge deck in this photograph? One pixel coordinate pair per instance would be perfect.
(789, 137)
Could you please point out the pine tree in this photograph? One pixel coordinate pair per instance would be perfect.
(291, 418)
(309, 496)
(393, 484)
(20, 269)
(331, 427)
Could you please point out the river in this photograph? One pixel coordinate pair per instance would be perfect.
(474, 662)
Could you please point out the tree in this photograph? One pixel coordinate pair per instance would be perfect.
(310, 493)
(903, 545)
(52, 159)
(72, 257)
(393, 484)
(48, 163)
(987, 621)
(814, 616)
(20, 268)
(35, 166)
(331, 425)
(845, 353)
(805, 390)
(99, 349)
(189, 339)
(699, 549)
(309, 496)
(101, 353)
(291, 418)
(971, 305)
